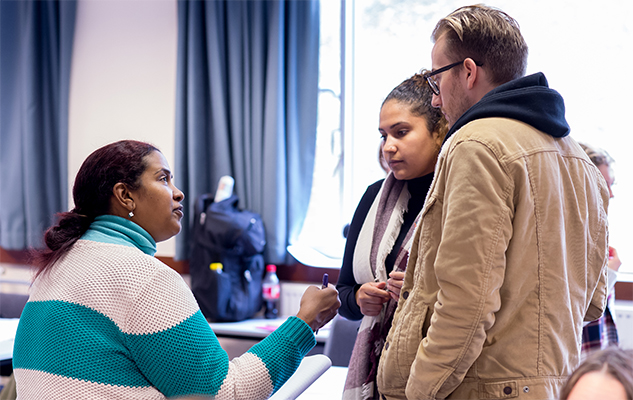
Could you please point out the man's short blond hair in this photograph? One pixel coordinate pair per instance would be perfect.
(488, 36)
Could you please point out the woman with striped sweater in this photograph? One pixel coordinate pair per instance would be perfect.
(105, 319)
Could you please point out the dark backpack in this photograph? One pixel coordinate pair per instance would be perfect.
(236, 238)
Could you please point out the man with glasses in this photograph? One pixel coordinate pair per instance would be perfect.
(509, 256)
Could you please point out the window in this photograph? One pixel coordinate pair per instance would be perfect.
(321, 240)
(387, 41)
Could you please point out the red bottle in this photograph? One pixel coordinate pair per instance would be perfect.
(270, 292)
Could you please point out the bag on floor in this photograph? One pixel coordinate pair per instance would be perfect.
(224, 234)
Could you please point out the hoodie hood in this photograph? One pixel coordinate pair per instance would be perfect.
(528, 99)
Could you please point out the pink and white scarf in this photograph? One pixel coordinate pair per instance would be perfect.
(375, 241)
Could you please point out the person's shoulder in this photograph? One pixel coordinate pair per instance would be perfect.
(118, 255)
(492, 128)
(374, 188)
(506, 138)
(366, 201)
(371, 192)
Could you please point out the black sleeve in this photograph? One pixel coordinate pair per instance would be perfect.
(346, 284)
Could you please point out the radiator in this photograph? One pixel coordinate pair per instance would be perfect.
(291, 293)
(624, 321)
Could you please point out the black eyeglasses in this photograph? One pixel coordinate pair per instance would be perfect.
(433, 84)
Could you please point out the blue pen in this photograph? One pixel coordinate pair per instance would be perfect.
(325, 277)
(323, 286)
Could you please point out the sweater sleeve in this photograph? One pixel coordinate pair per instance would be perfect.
(185, 358)
(347, 285)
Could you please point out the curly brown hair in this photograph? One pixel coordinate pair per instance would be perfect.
(417, 94)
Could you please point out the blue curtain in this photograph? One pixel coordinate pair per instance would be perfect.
(246, 106)
(35, 53)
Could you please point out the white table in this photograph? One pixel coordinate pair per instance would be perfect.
(258, 328)
(237, 337)
(8, 328)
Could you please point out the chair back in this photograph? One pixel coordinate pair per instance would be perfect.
(13, 297)
(339, 345)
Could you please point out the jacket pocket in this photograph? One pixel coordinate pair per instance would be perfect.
(410, 339)
(499, 390)
(401, 348)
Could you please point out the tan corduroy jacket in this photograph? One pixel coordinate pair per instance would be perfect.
(508, 260)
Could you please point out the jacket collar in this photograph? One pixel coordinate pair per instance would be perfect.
(528, 99)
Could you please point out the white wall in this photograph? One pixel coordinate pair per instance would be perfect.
(123, 80)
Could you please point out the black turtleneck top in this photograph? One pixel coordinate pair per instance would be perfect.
(347, 285)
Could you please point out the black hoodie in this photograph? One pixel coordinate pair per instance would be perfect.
(528, 99)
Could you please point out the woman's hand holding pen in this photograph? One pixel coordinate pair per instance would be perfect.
(318, 306)
(371, 296)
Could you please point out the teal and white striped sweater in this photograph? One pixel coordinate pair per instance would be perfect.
(110, 321)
